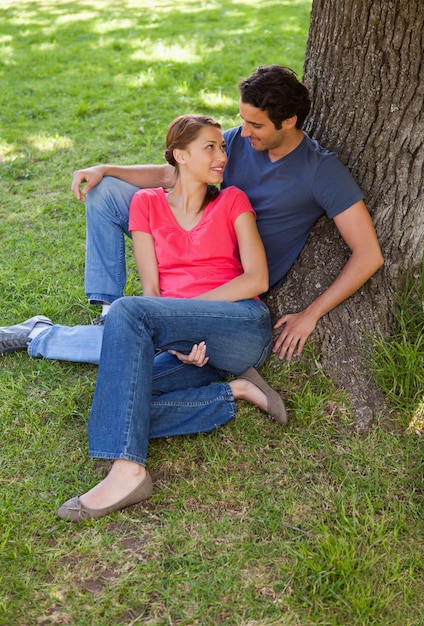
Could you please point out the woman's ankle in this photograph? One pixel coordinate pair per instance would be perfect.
(245, 390)
(124, 477)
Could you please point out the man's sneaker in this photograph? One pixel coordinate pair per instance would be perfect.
(99, 320)
(14, 338)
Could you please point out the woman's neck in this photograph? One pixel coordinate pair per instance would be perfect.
(187, 197)
(187, 203)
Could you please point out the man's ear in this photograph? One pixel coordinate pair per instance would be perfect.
(290, 122)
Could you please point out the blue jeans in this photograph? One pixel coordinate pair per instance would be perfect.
(107, 211)
(141, 394)
(107, 208)
(80, 344)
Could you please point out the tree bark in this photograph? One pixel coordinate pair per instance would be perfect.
(365, 71)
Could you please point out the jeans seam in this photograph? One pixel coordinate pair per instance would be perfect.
(97, 454)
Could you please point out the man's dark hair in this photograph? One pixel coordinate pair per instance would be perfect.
(276, 90)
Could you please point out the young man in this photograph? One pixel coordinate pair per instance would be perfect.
(291, 181)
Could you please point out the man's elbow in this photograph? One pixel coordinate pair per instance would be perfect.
(372, 258)
(378, 260)
(168, 176)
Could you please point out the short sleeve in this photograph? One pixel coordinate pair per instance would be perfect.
(334, 187)
(140, 212)
(239, 204)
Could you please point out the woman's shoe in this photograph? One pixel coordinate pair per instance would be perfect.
(75, 511)
(275, 407)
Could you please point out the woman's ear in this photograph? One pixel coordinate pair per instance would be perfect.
(179, 155)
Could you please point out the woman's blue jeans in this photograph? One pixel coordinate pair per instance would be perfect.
(142, 394)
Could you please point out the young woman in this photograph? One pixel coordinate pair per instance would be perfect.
(202, 265)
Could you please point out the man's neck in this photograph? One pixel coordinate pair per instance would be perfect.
(291, 142)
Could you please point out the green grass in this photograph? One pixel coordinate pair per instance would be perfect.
(313, 524)
(398, 360)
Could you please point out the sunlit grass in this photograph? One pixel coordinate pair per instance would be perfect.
(251, 525)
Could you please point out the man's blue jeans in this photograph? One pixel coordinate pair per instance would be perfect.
(107, 209)
(80, 344)
(141, 394)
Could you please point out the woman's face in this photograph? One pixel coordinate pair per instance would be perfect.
(205, 157)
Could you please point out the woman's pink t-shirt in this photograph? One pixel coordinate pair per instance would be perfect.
(194, 261)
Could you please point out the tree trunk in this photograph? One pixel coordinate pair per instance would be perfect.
(365, 71)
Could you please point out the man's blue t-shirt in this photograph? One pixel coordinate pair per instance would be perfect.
(289, 195)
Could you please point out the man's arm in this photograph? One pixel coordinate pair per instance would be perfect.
(356, 228)
(142, 176)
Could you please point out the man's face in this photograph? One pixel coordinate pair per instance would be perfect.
(259, 129)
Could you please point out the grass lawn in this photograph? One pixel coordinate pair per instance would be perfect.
(252, 525)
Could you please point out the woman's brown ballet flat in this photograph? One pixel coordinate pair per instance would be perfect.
(75, 511)
(275, 407)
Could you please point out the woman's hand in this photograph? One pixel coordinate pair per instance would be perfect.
(196, 357)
